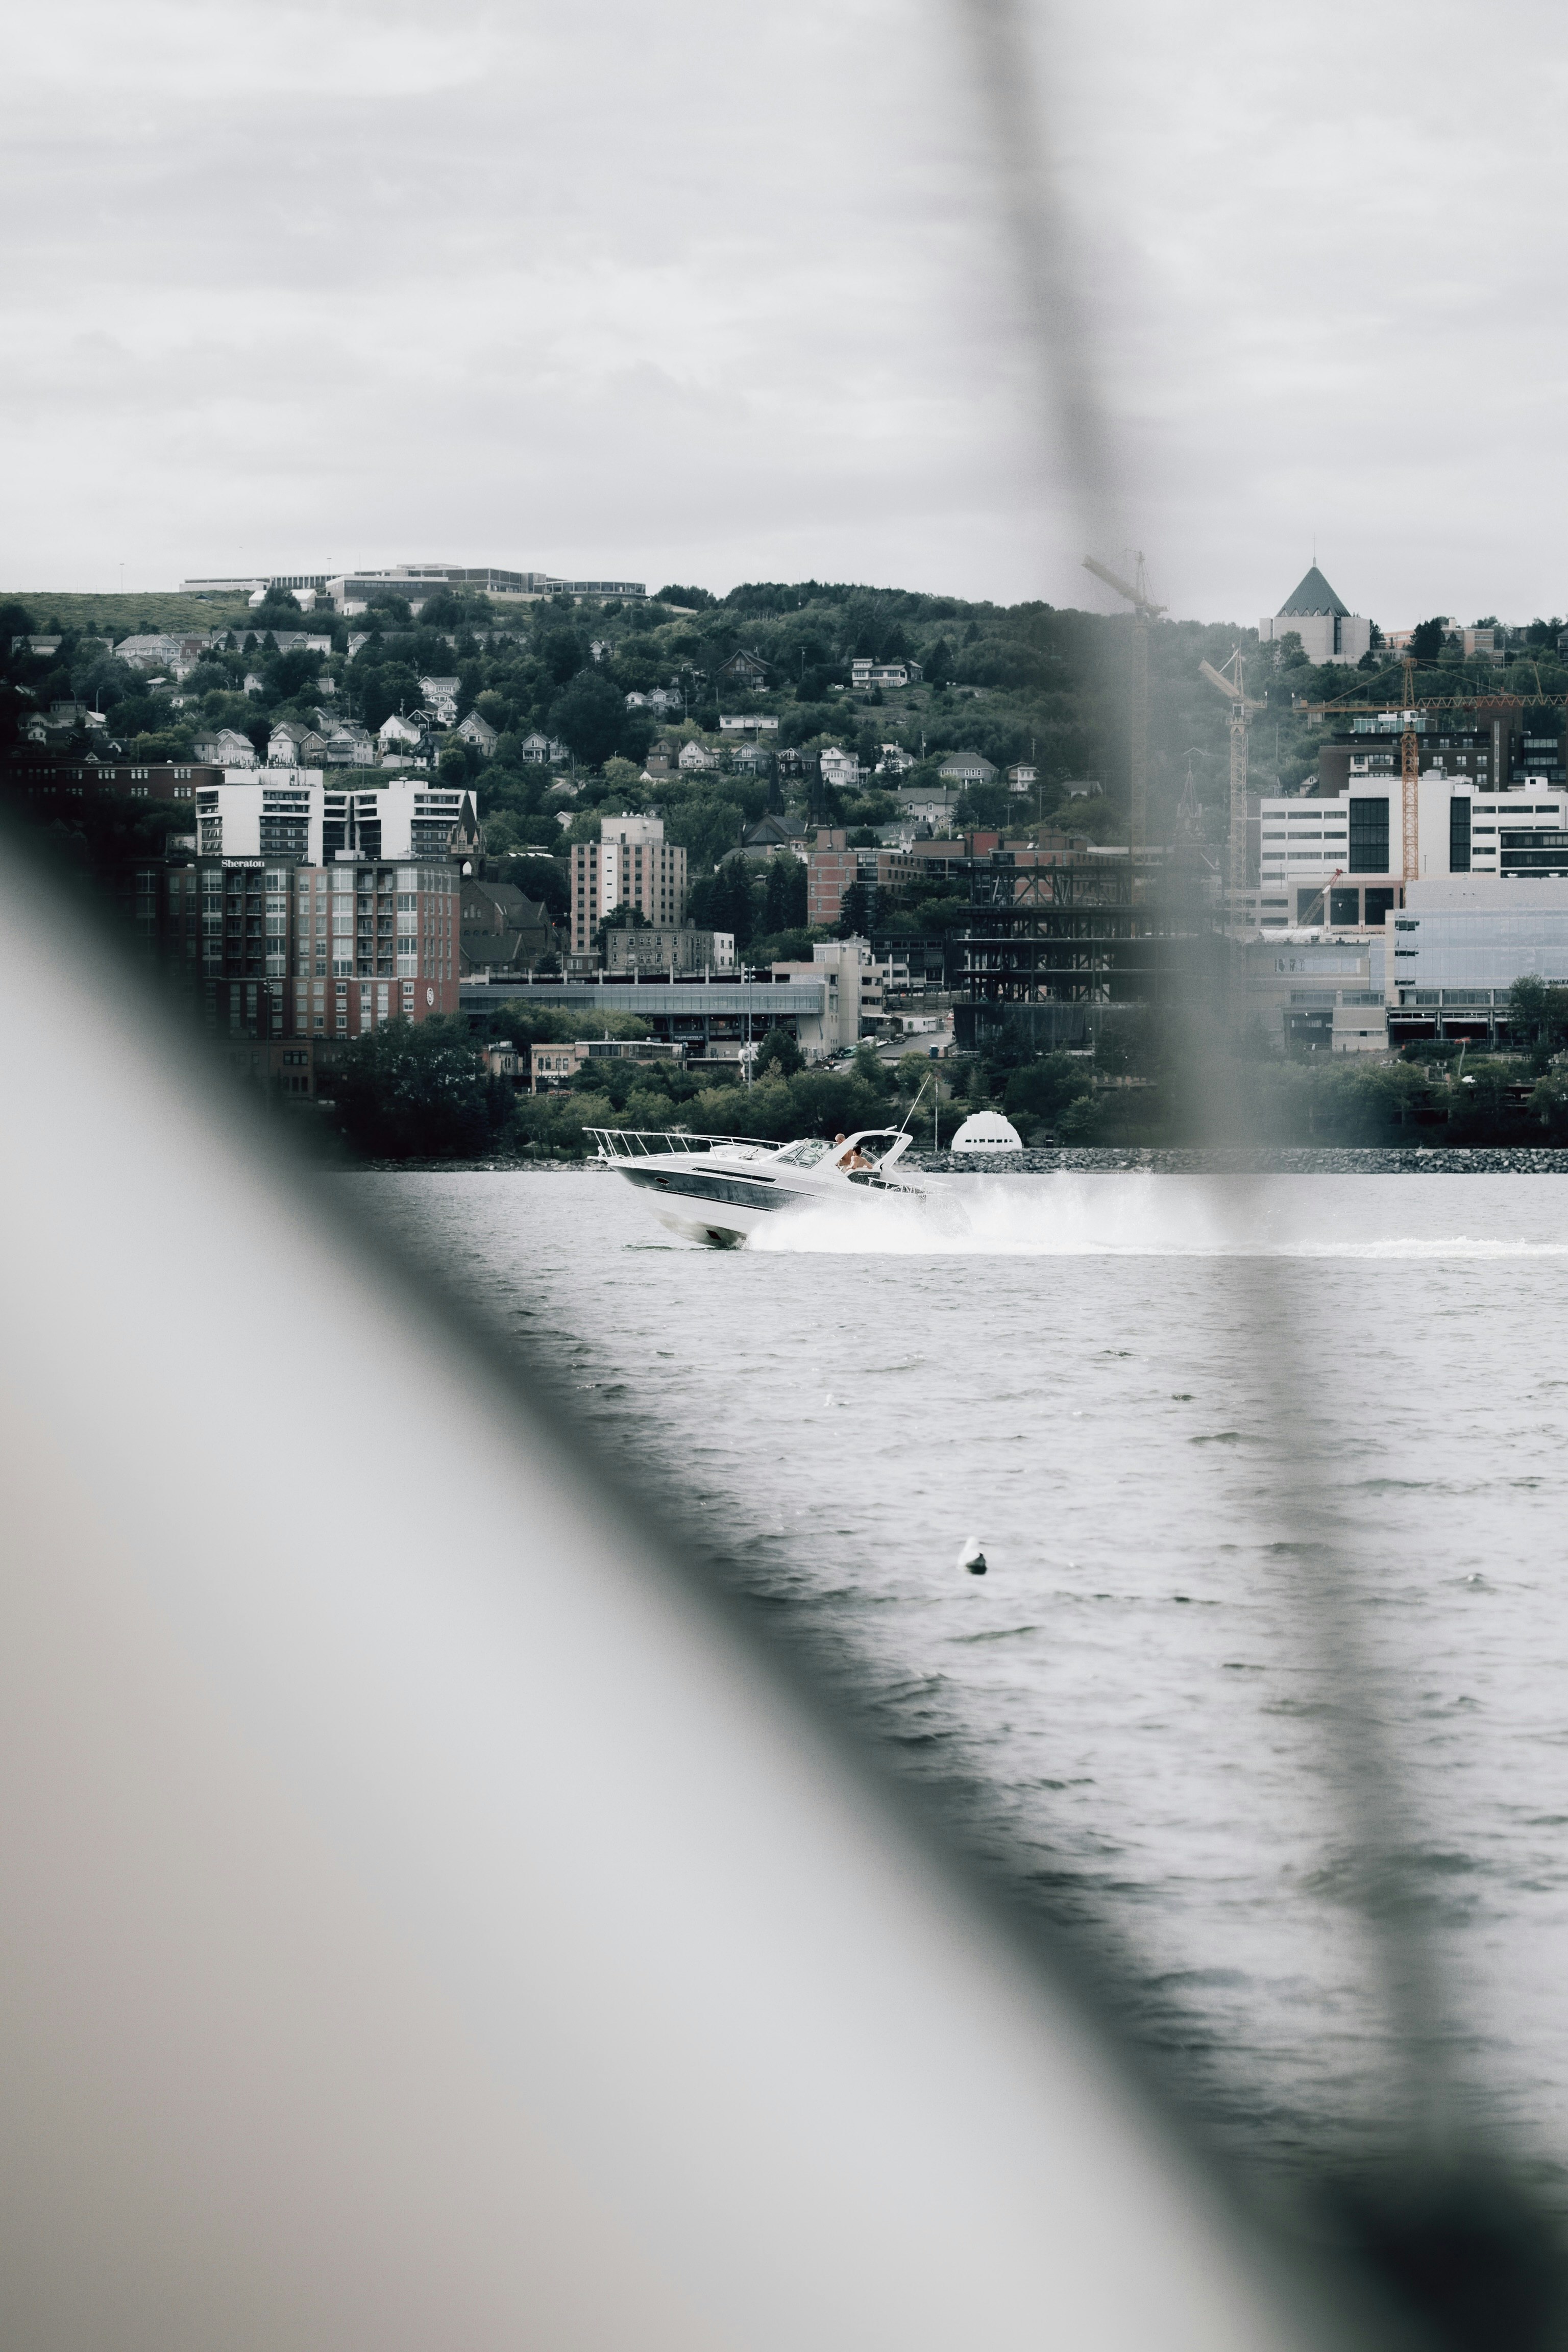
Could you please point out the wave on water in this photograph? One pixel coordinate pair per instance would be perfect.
(1141, 1215)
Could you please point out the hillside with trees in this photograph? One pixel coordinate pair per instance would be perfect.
(1016, 683)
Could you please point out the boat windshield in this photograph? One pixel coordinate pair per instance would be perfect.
(804, 1154)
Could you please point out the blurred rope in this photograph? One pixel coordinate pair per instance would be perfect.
(1053, 313)
(1436, 2168)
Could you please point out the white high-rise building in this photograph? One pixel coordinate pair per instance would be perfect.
(1342, 860)
(630, 864)
(295, 812)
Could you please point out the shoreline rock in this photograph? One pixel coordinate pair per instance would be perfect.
(1251, 1160)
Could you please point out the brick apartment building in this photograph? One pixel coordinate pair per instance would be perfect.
(291, 951)
(50, 783)
(831, 866)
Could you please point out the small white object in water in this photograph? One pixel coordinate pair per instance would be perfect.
(972, 1557)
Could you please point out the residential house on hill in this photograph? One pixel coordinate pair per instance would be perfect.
(695, 759)
(399, 733)
(895, 761)
(293, 745)
(660, 761)
(63, 721)
(865, 673)
(840, 768)
(154, 651)
(747, 671)
(292, 641)
(349, 745)
(228, 748)
(967, 768)
(542, 750)
(441, 694)
(480, 733)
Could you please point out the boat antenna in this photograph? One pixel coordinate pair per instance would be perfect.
(914, 1105)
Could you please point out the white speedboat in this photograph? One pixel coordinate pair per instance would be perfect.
(717, 1189)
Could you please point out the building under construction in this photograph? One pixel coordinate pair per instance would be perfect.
(1081, 935)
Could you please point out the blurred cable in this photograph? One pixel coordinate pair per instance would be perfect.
(1436, 2186)
(1053, 312)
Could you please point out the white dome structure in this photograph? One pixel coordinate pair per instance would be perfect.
(987, 1130)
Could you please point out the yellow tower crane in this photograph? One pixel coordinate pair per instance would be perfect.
(1233, 689)
(1409, 717)
(1410, 775)
(1144, 610)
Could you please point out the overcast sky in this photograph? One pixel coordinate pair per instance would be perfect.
(684, 290)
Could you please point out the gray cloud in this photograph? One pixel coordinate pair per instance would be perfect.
(690, 291)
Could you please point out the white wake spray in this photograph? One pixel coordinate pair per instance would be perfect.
(1145, 1215)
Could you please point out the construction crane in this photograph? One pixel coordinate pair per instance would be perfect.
(1187, 818)
(1413, 709)
(1242, 707)
(1144, 610)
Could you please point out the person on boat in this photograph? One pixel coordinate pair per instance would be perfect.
(852, 1158)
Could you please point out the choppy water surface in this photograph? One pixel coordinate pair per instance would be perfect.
(1175, 1412)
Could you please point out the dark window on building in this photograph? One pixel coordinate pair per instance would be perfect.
(1459, 834)
(1369, 836)
(1344, 906)
(1378, 904)
(1309, 907)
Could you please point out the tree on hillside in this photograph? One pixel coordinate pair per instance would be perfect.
(779, 1050)
(417, 1091)
(563, 654)
(733, 902)
(1536, 1018)
(870, 1071)
(279, 609)
(289, 674)
(541, 878)
(707, 824)
(587, 717)
(783, 901)
(1043, 1089)
(1427, 639)
(855, 913)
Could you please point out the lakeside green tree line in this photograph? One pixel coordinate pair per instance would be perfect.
(425, 1092)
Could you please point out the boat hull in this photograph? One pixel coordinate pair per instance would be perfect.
(717, 1208)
